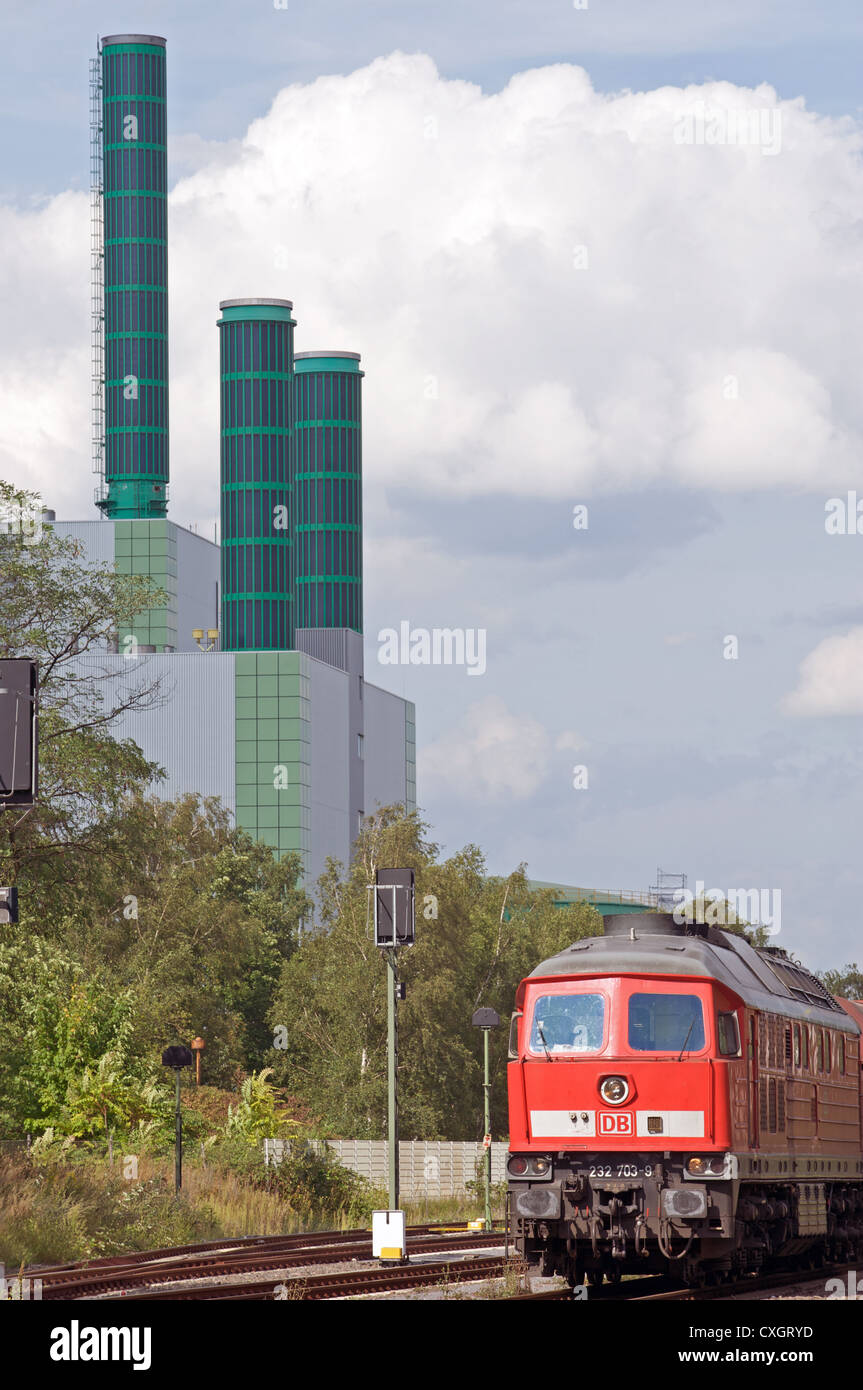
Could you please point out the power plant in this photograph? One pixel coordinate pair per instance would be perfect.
(258, 646)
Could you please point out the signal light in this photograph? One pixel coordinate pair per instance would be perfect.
(529, 1166)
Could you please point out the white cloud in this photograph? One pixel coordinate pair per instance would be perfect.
(436, 230)
(491, 754)
(831, 678)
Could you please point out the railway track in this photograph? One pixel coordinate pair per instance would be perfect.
(273, 1253)
(639, 1290)
(287, 1242)
(341, 1285)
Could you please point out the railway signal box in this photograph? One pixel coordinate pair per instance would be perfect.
(19, 685)
(395, 915)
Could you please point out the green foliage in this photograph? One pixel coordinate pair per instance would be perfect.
(56, 1211)
(847, 983)
(476, 938)
(58, 609)
(257, 1116)
(312, 1181)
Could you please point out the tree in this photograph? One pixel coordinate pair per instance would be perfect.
(58, 609)
(476, 938)
(847, 983)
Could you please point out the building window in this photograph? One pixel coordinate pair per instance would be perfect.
(360, 741)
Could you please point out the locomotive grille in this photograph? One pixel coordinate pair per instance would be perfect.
(780, 1106)
(762, 1097)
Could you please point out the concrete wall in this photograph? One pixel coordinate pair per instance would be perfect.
(427, 1167)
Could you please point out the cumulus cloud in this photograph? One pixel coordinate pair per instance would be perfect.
(490, 755)
(831, 678)
(552, 295)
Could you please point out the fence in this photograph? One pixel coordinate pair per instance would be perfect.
(427, 1167)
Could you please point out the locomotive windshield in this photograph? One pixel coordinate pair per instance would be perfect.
(666, 1023)
(568, 1023)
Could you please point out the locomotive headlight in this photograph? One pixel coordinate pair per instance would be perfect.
(517, 1166)
(540, 1165)
(614, 1090)
(711, 1166)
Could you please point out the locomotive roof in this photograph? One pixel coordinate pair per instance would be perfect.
(652, 943)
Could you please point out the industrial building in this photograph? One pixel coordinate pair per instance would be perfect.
(258, 645)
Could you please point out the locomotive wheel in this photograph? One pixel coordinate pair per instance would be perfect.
(614, 1275)
(594, 1278)
(575, 1277)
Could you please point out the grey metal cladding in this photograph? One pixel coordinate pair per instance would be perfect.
(333, 827)
(197, 586)
(735, 965)
(336, 646)
(385, 748)
(191, 733)
(97, 538)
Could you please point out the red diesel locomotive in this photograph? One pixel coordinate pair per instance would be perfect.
(682, 1102)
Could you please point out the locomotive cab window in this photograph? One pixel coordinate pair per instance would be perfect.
(568, 1023)
(513, 1036)
(666, 1023)
(728, 1034)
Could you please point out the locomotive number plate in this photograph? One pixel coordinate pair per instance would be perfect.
(621, 1170)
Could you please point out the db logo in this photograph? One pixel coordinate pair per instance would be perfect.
(615, 1122)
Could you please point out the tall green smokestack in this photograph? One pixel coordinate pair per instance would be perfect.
(135, 189)
(328, 491)
(256, 347)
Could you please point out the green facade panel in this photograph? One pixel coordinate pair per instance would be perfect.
(273, 750)
(149, 548)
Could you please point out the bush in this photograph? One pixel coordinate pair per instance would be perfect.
(314, 1183)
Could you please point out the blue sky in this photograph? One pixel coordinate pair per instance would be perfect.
(229, 57)
(558, 302)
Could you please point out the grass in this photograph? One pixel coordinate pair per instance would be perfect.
(57, 1211)
(68, 1207)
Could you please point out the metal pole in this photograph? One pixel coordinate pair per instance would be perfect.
(487, 1095)
(178, 1139)
(392, 1082)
